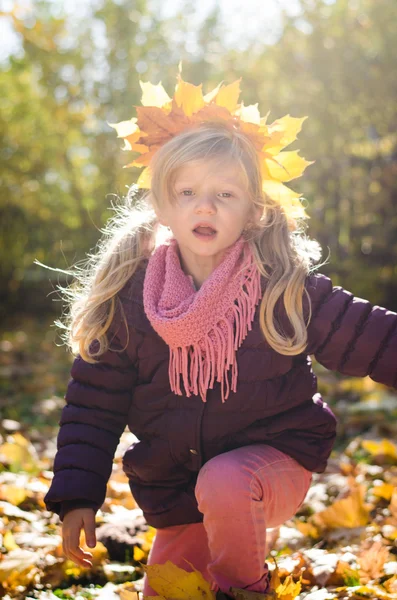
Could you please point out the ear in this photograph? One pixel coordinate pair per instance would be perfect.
(161, 217)
(257, 214)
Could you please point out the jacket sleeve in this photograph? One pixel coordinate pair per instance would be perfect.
(349, 334)
(98, 398)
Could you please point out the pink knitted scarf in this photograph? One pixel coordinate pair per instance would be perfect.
(203, 328)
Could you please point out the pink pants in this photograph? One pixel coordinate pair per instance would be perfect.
(241, 493)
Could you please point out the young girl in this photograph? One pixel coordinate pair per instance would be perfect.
(195, 330)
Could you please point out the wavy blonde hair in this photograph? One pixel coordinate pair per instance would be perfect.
(284, 255)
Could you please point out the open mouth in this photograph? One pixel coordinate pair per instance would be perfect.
(204, 232)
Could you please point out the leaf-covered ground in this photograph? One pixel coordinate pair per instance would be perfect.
(341, 544)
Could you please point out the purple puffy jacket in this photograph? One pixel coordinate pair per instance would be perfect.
(276, 403)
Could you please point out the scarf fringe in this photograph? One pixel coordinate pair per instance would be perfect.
(199, 371)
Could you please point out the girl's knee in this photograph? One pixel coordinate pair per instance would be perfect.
(219, 478)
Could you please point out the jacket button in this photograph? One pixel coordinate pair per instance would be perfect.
(193, 451)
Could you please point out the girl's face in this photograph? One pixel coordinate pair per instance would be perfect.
(213, 195)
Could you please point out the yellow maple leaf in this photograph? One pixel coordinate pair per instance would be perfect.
(144, 178)
(289, 589)
(188, 96)
(228, 96)
(384, 490)
(286, 590)
(171, 581)
(390, 533)
(140, 148)
(139, 554)
(286, 197)
(9, 542)
(128, 595)
(19, 454)
(13, 494)
(249, 113)
(288, 127)
(279, 192)
(384, 447)
(18, 438)
(393, 506)
(125, 128)
(287, 166)
(307, 529)
(154, 95)
(146, 539)
(349, 512)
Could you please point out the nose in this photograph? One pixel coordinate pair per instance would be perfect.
(205, 204)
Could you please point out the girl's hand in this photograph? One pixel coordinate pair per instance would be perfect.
(74, 521)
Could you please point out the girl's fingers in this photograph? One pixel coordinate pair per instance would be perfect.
(79, 557)
(89, 531)
(71, 538)
(73, 551)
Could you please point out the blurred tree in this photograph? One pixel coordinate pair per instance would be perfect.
(61, 162)
(60, 157)
(334, 63)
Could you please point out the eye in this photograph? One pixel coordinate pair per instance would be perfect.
(228, 195)
(183, 192)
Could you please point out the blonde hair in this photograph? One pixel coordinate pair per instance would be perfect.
(284, 255)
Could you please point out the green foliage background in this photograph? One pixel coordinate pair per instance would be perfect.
(61, 164)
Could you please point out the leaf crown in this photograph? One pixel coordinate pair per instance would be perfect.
(160, 118)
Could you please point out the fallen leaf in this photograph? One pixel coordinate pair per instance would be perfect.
(348, 512)
(146, 541)
(171, 581)
(286, 590)
(344, 574)
(9, 542)
(383, 448)
(12, 493)
(126, 591)
(393, 507)
(146, 538)
(391, 584)
(139, 554)
(19, 454)
(384, 490)
(372, 561)
(289, 589)
(307, 529)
